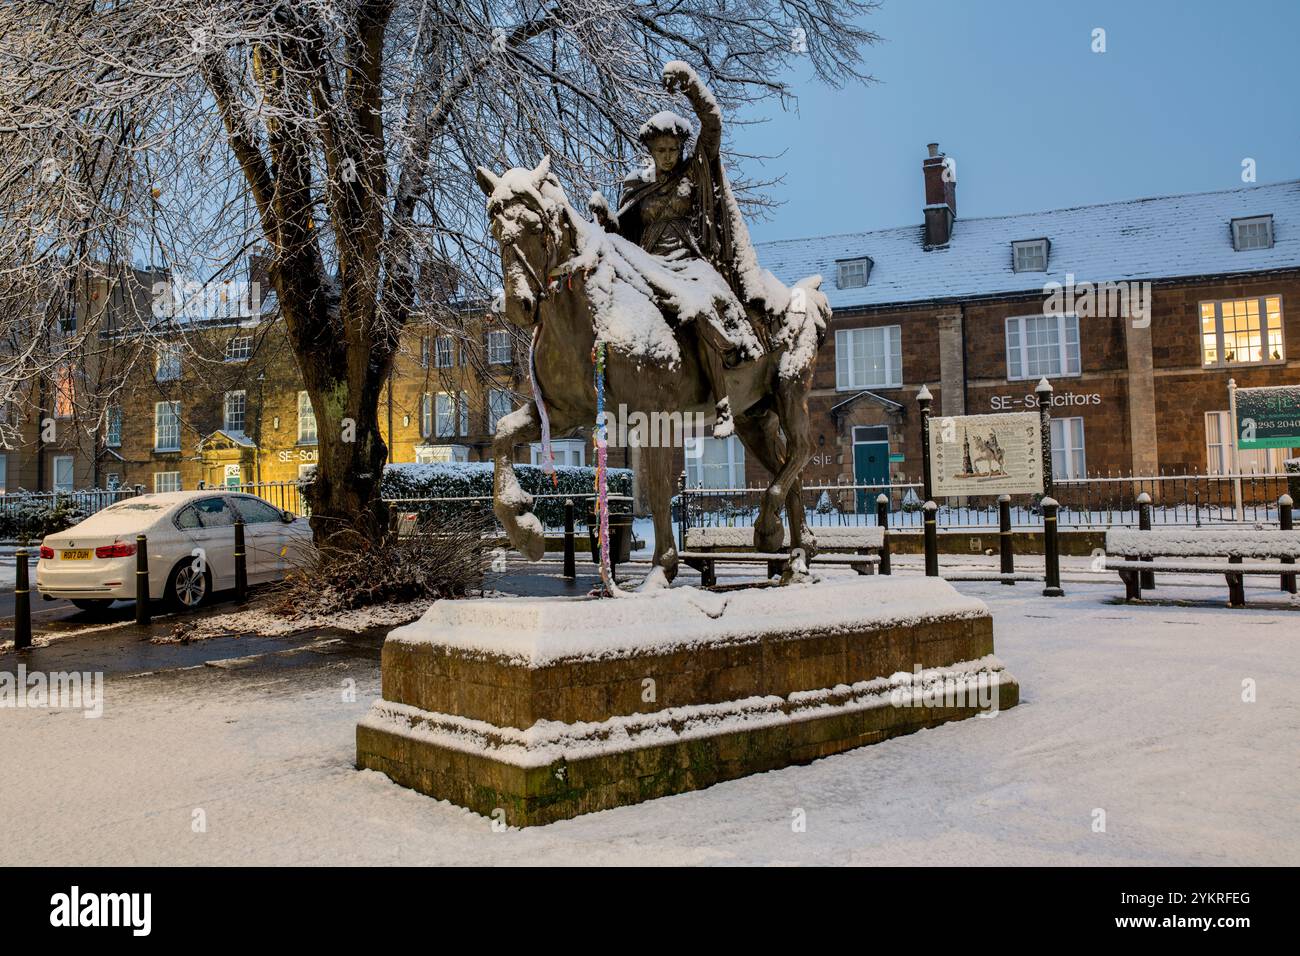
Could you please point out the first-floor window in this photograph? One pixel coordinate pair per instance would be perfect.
(498, 348)
(431, 454)
(1042, 345)
(166, 481)
(570, 451)
(63, 473)
(499, 406)
(869, 358)
(426, 415)
(443, 352)
(167, 426)
(1218, 451)
(306, 420)
(233, 413)
(715, 462)
(445, 415)
(1068, 459)
(1242, 331)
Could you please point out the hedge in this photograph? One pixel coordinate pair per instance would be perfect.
(33, 516)
(474, 480)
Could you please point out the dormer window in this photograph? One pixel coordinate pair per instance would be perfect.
(1255, 232)
(1030, 255)
(853, 273)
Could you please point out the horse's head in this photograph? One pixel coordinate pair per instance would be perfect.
(525, 210)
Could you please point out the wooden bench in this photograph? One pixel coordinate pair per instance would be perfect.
(707, 546)
(1179, 551)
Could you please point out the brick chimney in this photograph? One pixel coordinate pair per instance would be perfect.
(940, 198)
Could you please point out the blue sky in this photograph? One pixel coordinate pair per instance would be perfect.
(1011, 88)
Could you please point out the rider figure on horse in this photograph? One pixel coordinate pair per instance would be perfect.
(682, 206)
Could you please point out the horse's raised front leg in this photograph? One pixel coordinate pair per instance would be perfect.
(657, 473)
(762, 436)
(512, 505)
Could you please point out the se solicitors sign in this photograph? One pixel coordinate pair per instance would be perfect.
(1268, 417)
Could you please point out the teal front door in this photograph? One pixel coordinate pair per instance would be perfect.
(870, 464)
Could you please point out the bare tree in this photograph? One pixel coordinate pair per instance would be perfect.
(341, 136)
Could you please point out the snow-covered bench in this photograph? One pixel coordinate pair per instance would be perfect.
(860, 548)
(1202, 551)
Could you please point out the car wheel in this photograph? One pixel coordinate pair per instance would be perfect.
(187, 588)
(92, 604)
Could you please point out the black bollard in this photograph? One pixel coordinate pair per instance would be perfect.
(1006, 546)
(1051, 550)
(1284, 519)
(931, 540)
(882, 519)
(142, 580)
(570, 558)
(241, 564)
(1147, 578)
(22, 602)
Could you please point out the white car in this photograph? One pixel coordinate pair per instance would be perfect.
(191, 548)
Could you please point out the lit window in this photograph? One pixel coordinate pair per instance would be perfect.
(1241, 331)
(306, 420)
(715, 463)
(166, 481)
(1029, 255)
(239, 348)
(1042, 345)
(65, 392)
(63, 480)
(869, 358)
(500, 404)
(1255, 232)
(853, 273)
(167, 363)
(498, 348)
(233, 414)
(443, 353)
(113, 435)
(1067, 449)
(167, 426)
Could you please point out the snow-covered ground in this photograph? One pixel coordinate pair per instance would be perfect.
(1134, 711)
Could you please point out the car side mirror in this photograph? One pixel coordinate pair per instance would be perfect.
(288, 517)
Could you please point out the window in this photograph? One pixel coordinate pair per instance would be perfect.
(167, 481)
(715, 463)
(1029, 255)
(567, 452)
(233, 412)
(307, 472)
(1218, 451)
(167, 363)
(853, 273)
(431, 454)
(113, 435)
(112, 481)
(65, 392)
(1067, 448)
(239, 348)
(1042, 345)
(500, 404)
(257, 511)
(215, 512)
(498, 348)
(186, 518)
(445, 423)
(426, 415)
(1255, 232)
(306, 420)
(1241, 332)
(424, 351)
(463, 416)
(869, 358)
(63, 480)
(166, 426)
(4, 467)
(444, 352)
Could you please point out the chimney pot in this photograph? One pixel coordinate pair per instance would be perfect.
(933, 148)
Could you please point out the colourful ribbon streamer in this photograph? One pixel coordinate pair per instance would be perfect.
(602, 485)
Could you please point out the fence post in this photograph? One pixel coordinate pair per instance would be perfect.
(1284, 520)
(570, 559)
(22, 601)
(924, 399)
(142, 579)
(1043, 392)
(882, 519)
(1051, 550)
(1006, 546)
(241, 563)
(931, 540)
(1144, 524)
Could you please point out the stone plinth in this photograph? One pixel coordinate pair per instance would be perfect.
(548, 708)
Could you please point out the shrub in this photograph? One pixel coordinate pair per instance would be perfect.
(33, 516)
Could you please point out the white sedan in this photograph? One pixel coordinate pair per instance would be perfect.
(191, 548)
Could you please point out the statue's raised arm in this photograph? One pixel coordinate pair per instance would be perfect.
(680, 77)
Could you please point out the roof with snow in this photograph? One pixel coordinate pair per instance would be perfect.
(1141, 239)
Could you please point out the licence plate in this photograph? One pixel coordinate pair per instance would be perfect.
(76, 554)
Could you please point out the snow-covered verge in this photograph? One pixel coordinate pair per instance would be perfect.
(1136, 711)
(266, 623)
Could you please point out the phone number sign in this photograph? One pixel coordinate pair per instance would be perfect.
(1268, 417)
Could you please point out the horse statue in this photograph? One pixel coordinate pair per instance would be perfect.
(572, 283)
